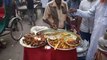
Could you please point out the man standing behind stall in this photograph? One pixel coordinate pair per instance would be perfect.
(55, 14)
(30, 7)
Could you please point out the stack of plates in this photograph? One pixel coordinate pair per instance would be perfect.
(82, 50)
(36, 29)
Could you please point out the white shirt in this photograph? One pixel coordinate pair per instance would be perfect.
(99, 12)
(44, 3)
(87, 23)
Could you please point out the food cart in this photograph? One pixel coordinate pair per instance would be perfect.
(50, 47)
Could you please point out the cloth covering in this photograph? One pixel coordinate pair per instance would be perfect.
(51, 54)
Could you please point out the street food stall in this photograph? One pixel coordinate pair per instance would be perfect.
(49, 44)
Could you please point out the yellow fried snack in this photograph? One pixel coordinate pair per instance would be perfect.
(63, 40)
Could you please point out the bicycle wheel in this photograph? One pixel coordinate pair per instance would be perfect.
(16, 29)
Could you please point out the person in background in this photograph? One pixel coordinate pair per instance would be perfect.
(30, 7)
(49, 0)
(14, 8)
(87, 24)
(1, 3)
(17, 2)
(55, 14)
(65, 0)
(77, 19)
(99, 13)
(44, 3)
(8, 6)
(73, 4)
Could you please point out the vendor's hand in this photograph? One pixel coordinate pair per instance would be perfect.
(72, 10)
(54, 26)
(78, 18)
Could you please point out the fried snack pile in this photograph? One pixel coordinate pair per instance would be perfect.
(67, 40)
(34, 40)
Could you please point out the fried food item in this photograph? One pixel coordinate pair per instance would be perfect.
(72, 42)
(34, 40)
(65, 34)
(65, 41)
(63, 44)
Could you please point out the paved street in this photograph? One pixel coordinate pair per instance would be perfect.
(13, 50)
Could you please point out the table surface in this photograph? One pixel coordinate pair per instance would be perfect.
(50, 54)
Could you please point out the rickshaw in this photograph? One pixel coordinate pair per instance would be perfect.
(9, 24)
(22, 7)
